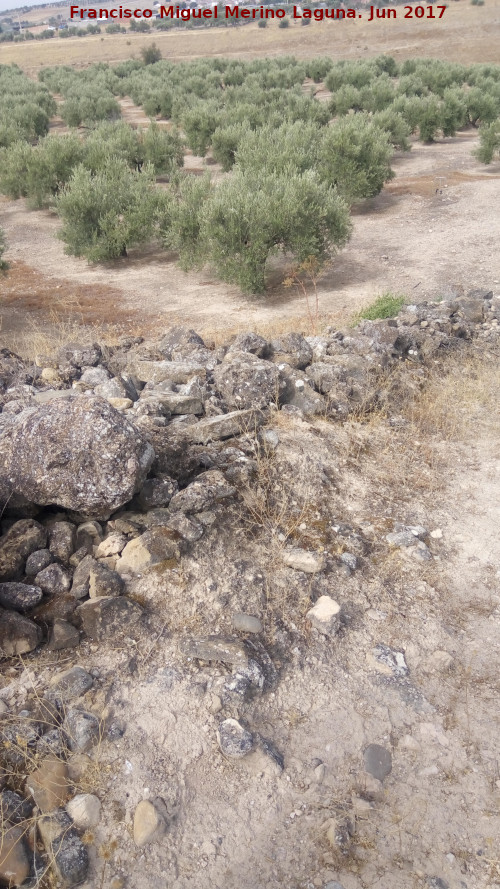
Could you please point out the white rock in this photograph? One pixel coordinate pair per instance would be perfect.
(112, 545)
(85, 810)
(436, 534)
(438, 662)
(302, 560)
(149, 823)
(324, 615)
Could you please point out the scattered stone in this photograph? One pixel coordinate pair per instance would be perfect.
(209, 488)
(62, 635)
(150, 824)
(332, 884)
(68, 856)
(156, 492)
(18, 634)
(349, 560)
(188, 529)
(175, 371)
(224, 426)
(80, 356)
(81, 578)
(104, 582)
(84, 810)
(387, 660)
(78, 766)
(438, 662)
(88, 529)
(52, 743)
(14, 808)
(302, 560)
(22, 539)
(378, 761)
(235, 741)
(62, 540)
(73, 683)
(216, 648)
(246, 623)
(112, 545)
(54, 579)
(108, 615)
(437, 883)
(77, 453)
(339, 832)
(14, 857)
(37, 561)
(19, 596)
(151, 548)
(325, 616)
(83, 730)
(49, 784)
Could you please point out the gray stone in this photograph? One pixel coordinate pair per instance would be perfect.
(216, 648)
(54, 579)
(62, 540)
(188, 529)
(332, 884)
(209, 488)
(378, 761)
(52, 743)
(175, 371)
(19, 738)
(80, 454)
(295, 391)
(224, 426)
(292, 349)
(156, 492)
(62, 635)
(18, 634)
(388, 661)
(92, 376)
(83, 730)
(111, 389)
(180, 339)
(302, 560)
(22, 539)
(73, 683)
(80, 356)
(68, 855)
(176, 404)
(437, 883)
(14, 808)
(104, 582)
(349, 560)
(251, 342)
(246, 623)
(108, 615)
(245, 381)
(37, 561)
(112, 545)
(81, 578)
(234, 740)
(19, 596)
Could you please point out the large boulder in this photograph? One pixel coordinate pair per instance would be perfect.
(245, 381)
(78, 453)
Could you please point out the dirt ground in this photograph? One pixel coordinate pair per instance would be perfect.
(436, 226)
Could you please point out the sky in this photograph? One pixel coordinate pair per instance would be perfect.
(17, 4)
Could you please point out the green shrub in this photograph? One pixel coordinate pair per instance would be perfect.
(284, 23)
(4, 265)
(151, 54)
(385, 306)
(489, 142)
(355, 156)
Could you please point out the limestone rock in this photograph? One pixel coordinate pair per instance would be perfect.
(84, 810)
(19, 596)
(251, 342)
(14, 808)
(325, 616)
(108, 615)
(18, 634)
(149, 823)
(81, 578)
(80, 454)
(151, 548)
(245, 381)
(302, 560)
(175, 371)
(112, 545)
(22, 539)
(246, 623)
(48, 784)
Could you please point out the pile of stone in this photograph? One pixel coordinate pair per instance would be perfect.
(112, 460)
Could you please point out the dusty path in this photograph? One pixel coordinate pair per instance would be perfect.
(408, 240)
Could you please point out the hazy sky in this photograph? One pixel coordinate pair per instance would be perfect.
(15, 4)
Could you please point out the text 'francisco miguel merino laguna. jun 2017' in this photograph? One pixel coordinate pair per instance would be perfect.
(258, 12)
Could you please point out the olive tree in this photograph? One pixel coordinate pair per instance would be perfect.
(355, 155)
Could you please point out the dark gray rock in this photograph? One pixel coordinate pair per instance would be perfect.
(68, 855)
(245, 381)
(234, 740)
(209, 488)
(73, 683)
(251, 342)
(81, 578)
(14, 808)
(62, 540)
(62, 635)
(80, 454)
(82, 729)
(37, 561)
(19, 738)
(104, 581)
(180, 341)
(188, 529)
(296, 391)
(378, 761)
(156, 492)
(22, 539)
(108, 615)
(292, 349)
(19, 596)
(18, 634)
(54, 579)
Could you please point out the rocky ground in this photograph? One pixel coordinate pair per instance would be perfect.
(248, 608)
